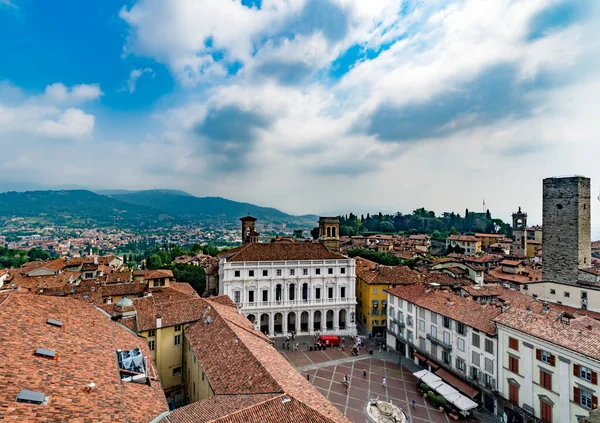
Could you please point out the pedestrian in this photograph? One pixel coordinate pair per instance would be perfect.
(383, 382)
(414, 403)
(365, 373)
(297, 345)
(308, 377)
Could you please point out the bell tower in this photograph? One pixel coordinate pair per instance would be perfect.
(519, 245)
(329, 233)
(249, 234)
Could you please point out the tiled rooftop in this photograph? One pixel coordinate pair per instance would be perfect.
(281, 252)
(86, 347)
(575, 337)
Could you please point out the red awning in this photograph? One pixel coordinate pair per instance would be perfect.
(433, 364)
(420, 356)
(455, 381)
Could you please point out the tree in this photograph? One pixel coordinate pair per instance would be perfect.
(386, 226)
(315, 233)
(154, 262)
(488, 215)
(196, 248)
(453, 231)
(176, 252)
(298, 233)
(194, 275)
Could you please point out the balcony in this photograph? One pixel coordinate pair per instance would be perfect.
(439, 342)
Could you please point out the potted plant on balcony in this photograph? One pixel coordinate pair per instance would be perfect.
(441, 403)
(423, 388)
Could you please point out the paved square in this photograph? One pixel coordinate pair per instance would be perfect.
(326, 370)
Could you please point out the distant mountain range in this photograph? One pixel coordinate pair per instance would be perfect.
(142, 209)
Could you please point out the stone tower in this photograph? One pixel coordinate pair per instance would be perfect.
(519, 245)
(329, 233)
(566, 239)
(249, 233)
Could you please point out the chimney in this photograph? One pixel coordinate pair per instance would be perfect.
(505, 306)
(158, 321)
(95, 259)
(90, 387)
(545, 308)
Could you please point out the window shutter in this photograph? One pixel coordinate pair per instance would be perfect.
(538, 354)
(594, 402)
(552, 360)
(594, 378)
(576, 370)
(576, 394)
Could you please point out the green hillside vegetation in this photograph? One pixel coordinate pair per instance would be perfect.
(16, 258)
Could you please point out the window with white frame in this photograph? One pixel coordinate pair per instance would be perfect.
(585, 398)
(152, 345)
(489, 346)
(433, 317)
(177, 340)
(546, 357)
(585, 373)
(292, 272)
(489, 365)
(375, 291)
(391, 299)
(278, 272)
(475, 359)
(422, 325)
(409, 307)
(421, 312)
(460, 364)
(305, 272)
(475, 341)
(409, 321)
(461, 344)
(447, 338)
(236, 296)
(433, 332)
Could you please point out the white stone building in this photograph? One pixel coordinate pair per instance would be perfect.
(448, 334)
(548, 366)
(291, 286)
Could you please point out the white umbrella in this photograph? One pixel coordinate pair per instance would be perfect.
(465, 404)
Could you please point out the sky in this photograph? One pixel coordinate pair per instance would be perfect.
(310, 106)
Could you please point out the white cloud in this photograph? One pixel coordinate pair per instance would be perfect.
(134, 75)
(59, 93)
(8, 3)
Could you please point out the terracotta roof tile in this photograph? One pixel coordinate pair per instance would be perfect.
(86, 349)
(281, 252)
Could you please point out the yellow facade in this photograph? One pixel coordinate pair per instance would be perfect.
(167, 352)
(370, 317)
(198, 387)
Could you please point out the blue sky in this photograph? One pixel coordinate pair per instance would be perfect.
(319, 106)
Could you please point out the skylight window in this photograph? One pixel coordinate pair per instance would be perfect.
(55, 323)
(45, 353)
(32, 397)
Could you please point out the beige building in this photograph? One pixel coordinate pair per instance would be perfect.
(547, 366)
(470, 244)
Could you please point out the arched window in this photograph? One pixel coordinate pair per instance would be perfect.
(278, 292)
(333, 232)
(328, 231)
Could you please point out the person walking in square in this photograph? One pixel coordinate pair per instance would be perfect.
(365, 373)
(383, 382)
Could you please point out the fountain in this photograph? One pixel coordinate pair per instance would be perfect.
(385, 412)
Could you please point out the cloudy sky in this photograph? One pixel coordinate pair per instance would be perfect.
(321, 106)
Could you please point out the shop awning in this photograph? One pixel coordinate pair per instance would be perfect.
(433, 364)
(420, 356)
(463, 387)
(428, 378)
(464, 404)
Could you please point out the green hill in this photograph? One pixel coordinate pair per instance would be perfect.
(78, 208)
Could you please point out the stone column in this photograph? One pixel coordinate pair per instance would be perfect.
(311, 322)
(336, 321)
(284, 323)
(527, 370)
(271, 325)
(564, 389)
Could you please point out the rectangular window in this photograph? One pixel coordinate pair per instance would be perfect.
(546, 357)
(400, 302)
(460, 328)
(177, 340)
(567, 294)
(305, 272)
(489, 365)
(422, 325)
(265, 273)
(317, 271)
(475, 359)
(461, 344)
(460, 364)
(422, 344)
(151, 333)
(552, 291)
(292, 272)
(250, 296)
(513, 344)
(585, 398)
(434, 351)
(409, 321)
(236, 296)
(546, 380)
(475, 340)
(409, 336)
(513, 364)
(176, 371)
(489, 346)
(330, 271)
(343, 292)
(585, 373)
(546, 411)
(391, 299)
(433, 332)
(400, 317)
(409, 307)
(421, 312)
(265, 295)
(330, 292)
(343, 270)
(278, 272)
(237, 273)
(152, 345)
(318, 293)
(375, 291)
(446, 358)
(513, 393)
(447, 338)
(474, 373)
(446, 322)
(177, 328)
(251, 273)
(433, 318)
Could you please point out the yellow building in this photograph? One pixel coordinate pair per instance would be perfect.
(371, 281)
(470, 244)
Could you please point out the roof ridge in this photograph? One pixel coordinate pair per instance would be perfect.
(247, 408)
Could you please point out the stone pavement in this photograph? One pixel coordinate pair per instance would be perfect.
(326, 370)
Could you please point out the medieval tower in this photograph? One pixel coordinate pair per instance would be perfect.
(519, 245)
(566, 238)
(329, 233)
(249, 233)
